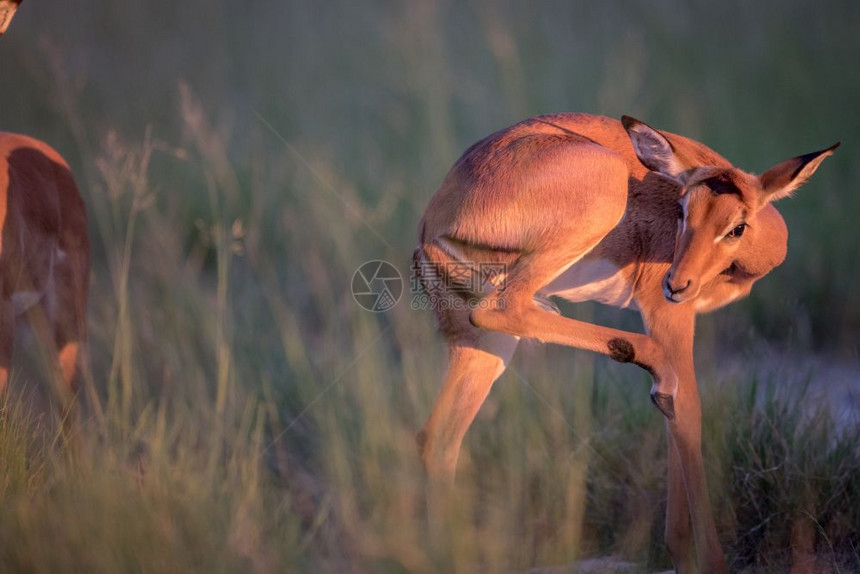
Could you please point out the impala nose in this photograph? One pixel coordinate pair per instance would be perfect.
(672, 289)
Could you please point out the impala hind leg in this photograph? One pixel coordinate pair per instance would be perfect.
(514, 311)
(474, 363)
(67, 363)
(70, 315)
(7, 334)
(70, 333)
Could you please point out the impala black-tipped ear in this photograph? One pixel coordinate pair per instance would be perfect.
(7, 10)
(782, 179)
(653, 149)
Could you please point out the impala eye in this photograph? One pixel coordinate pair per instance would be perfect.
(737, 231)
(680, 212)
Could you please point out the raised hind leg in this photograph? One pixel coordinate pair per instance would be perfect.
(514, 311)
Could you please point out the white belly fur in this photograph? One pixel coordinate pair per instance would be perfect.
(592, 280)
(23, 300)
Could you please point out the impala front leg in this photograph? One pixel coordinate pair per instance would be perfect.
(689, 518)
(678, 533)
(686, 441)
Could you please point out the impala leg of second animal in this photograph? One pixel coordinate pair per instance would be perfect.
(588, 208)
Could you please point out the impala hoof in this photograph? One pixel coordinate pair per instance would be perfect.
(665, 404)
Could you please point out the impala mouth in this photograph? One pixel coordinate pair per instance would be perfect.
(667, 291)
(679, 295)
(671, 297)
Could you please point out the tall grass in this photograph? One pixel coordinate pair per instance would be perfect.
(243, 413)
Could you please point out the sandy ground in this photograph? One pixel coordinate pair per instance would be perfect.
(835, 381)
(605, 565)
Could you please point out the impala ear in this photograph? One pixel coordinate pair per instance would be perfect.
(653, 149)
(7, 10)
(782, 179)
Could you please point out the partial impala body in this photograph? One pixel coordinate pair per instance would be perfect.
(44, 259)
(585, 207)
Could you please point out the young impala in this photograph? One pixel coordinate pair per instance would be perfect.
(44, 258)
(585, 207)
(44, 253)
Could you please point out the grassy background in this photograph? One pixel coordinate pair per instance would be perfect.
(240, 162)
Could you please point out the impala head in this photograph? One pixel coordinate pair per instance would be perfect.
(717, 205)
(7, 10)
